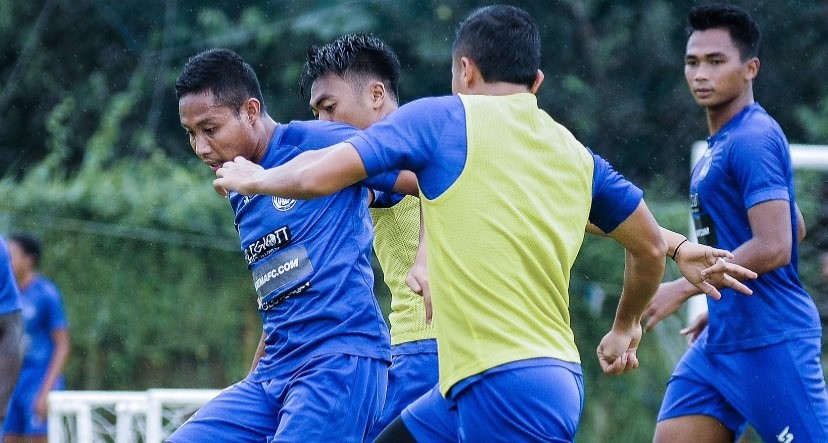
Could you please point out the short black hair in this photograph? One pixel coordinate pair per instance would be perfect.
(360, 57)
(29, 244)
(222, 72)
(742, 28)
(504, 43)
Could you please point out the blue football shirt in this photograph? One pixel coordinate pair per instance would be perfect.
(310, 262)
(748, 162)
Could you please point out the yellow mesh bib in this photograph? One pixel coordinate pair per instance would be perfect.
(396, 236)
(503, 237)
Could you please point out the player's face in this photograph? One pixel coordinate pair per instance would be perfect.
(714, 70)
(336, 100)
(19, 260)
(217, 133)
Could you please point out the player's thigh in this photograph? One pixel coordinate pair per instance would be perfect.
(334, 397)
(784, 396)
(694, 390)
(692, 429)
(240, 413)
(539, 403)
(432, 418)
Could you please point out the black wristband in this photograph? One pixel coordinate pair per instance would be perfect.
(677, 248)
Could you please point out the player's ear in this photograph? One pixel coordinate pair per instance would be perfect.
(469, 73)
(537, 83)
(752, 68)
(378, 94)
(251, 110)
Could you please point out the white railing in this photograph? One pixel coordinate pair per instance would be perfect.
(121, 416)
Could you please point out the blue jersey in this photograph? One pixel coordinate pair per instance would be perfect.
(310, 261)
(428, 137)
(748, 162)
(42, 312)
(9, 297)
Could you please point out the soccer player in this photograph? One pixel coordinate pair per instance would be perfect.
(323, 372)
(11, 331)
(758, 359)
(353, 80)
(507, 194)
(45, 344)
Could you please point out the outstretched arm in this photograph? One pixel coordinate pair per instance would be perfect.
(768, 249)
(706, 268)
(309, 175)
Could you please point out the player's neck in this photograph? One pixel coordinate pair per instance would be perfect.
(387, 109)
(268, 128)
(718, 116)
(25, 280)
(497, 89)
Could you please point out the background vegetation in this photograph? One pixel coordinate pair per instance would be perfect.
(93, 160)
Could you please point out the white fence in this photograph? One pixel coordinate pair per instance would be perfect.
(121, 416)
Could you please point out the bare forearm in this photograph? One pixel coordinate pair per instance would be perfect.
(642, 275)
(674, 240)
(306, 177)
(309, 175)
(60, 355)
(759, 257)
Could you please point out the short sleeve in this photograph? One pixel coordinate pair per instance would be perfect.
(614, 198)
(761, 165)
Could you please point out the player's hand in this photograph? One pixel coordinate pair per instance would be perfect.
(695, 328)
(417, 280)
(707, 269)
(240, 175)
(616, 352)
(667, 299)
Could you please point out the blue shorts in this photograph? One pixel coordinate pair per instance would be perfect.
(777, 389)
(531, 400)
(21, 418)
(333, 397)
(432, 418)
(413, 372)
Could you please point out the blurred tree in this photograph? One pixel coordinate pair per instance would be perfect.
(101, 71)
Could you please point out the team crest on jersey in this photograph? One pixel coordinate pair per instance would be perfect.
(283, 204)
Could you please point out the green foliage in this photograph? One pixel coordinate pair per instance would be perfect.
(613, 70)
(93, 160)
(155, 288)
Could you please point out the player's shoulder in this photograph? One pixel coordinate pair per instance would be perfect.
(757, 125)
(47, 287)
(429, 106)
(315, 134)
